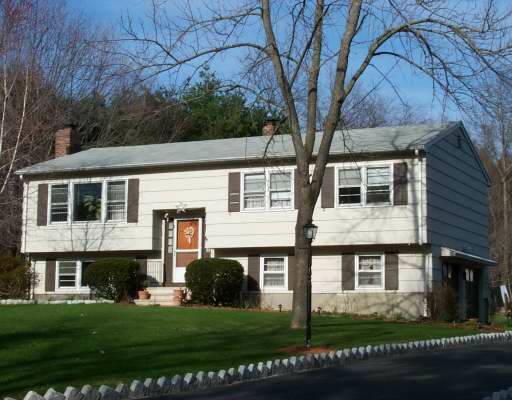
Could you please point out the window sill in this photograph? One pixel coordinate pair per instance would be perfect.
(276, 290)
(73, 291)
(255, 210)
(85, 223)
(364, 206)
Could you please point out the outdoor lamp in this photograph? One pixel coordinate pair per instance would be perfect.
(310, 231)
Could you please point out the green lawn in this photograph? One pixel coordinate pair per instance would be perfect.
(59, 345)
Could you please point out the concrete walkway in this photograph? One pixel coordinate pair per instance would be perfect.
(470, 373)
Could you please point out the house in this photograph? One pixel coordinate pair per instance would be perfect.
(402, 210)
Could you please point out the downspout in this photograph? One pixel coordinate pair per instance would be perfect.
(420, 208)
(424, 258)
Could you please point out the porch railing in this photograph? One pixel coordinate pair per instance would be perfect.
(155, 272)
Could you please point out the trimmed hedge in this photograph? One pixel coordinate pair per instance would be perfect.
(113, 278)
(16, 278)
(215, 281)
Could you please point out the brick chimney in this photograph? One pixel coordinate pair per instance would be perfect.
(67, 141)
(269, 127)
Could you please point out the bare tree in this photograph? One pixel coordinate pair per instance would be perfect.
(493, 122)
(46, 63)
(299, 45)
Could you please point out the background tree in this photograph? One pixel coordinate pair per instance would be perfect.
(492, 119)
(45, 61)
(302, 42)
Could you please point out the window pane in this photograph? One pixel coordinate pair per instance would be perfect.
(370, 263)
(378, 194)
(116, 201)
(254, 201)
(87, 202)
(59, 203)
(378, 175)
(273, 265)
(349, 177)
(280, 199)
(370, 279)
(254, 191)
(350, 195)
(67, 274)
(115, 191)
(281, 181)
(273, 280)
(254, 183)
(59, 194)
(378, 185)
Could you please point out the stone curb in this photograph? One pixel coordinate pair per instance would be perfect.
(151, 387)
(501, 395)
(20, 302)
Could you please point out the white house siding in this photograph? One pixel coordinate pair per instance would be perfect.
(408, 300)
(39, 267)
(457, 200)
(208, 188)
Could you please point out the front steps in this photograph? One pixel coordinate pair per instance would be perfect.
(161, 296)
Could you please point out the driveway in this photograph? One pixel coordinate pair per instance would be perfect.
(470, 373)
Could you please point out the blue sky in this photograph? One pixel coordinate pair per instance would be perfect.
(414, 88)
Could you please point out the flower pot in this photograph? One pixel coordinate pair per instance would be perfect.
(178, 296)
(143, 295)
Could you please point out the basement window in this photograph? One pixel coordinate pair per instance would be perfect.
(273, 272)
(370, 271)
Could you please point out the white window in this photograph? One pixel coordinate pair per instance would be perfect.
(70, 274)
(378, 185)
(349, 186)
(87, 202)
(280, 190)
(274, 272)
(67, 275)
(267, 190)
(367, 185)
(370, 271)
(116, 201)
(254, 191)
(59, 203)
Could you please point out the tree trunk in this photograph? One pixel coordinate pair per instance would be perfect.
(302, 254)
(506, 240)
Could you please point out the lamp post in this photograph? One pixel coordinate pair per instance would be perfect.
(310, 231)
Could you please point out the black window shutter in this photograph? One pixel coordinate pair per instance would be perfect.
(253, 278)
(133, 201)
(296, 189)
(291, 272)
(348, 272)
(391, 278)
(328, 188)
(400, 195)
(234, 192)
(49, 277)
(42, 204)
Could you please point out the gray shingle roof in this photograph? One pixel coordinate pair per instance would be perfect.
(372, 140)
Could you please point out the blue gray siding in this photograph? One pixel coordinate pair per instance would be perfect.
(457, 196)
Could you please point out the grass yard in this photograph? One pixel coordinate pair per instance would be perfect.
(60, 345)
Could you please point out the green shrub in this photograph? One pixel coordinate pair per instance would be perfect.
(16, 278)
(215, 281)
(113, 278)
